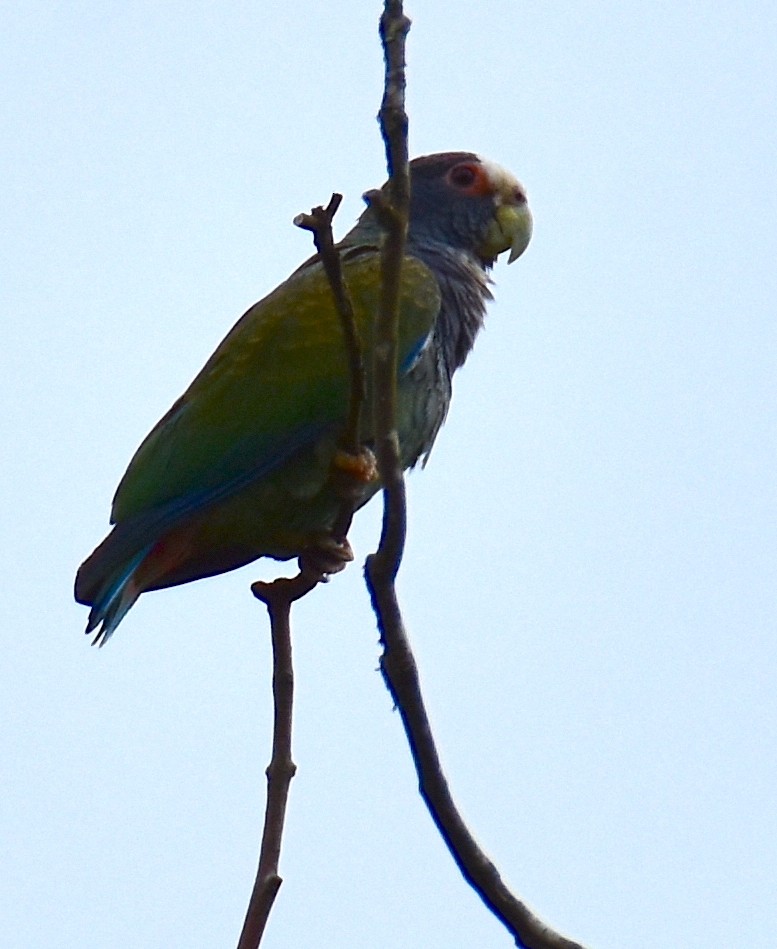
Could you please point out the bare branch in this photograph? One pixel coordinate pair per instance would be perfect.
(394, 215)
(397, 662)
(401, 674)
(319, 221)
(278, 597)
(350, 469)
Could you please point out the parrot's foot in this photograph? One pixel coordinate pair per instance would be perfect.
(351, 473)
(327, 555)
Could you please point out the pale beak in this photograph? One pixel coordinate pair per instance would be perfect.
(510, 229)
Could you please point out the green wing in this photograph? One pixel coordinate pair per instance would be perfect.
(277, 382)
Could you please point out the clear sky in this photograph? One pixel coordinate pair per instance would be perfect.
(590, 582)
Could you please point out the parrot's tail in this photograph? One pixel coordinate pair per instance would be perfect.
(125, 564)
(106, 582)
(112, 595)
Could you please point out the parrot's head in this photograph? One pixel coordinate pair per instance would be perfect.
(464, 213)
(467, 203)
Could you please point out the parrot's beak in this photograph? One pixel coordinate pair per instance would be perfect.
(510, 229)
(511, 226)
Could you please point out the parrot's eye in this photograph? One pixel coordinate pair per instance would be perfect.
(463, 176)
(470, 179)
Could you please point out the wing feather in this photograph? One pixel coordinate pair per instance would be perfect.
(277, 381)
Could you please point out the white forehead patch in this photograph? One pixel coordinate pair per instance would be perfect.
(505, 184)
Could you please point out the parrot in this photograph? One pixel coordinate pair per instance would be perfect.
(240, 466)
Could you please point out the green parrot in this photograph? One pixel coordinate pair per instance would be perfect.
(240, 466)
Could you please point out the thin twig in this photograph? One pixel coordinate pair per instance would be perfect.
(349, 473)
(278, 596)
(393, 210)
(397, 662)
(319, 221)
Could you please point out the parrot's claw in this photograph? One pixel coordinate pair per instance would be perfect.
(351, 473)
(362, 467)
(326, 556)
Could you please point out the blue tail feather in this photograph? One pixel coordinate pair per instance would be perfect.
(111, 605)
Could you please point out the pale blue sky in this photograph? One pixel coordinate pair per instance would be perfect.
(590, 581)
